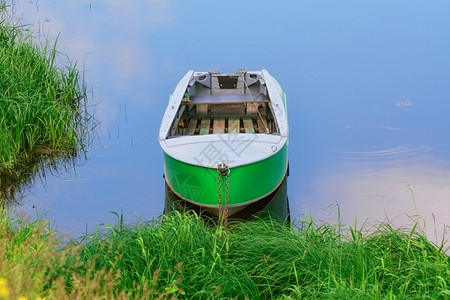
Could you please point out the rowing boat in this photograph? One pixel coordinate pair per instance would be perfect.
(224, 137)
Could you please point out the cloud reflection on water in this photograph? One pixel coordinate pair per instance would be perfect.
(111, 40)
(389, 193)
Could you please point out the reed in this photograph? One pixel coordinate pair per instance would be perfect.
(41, 101)
(179, 256)
(264, 259)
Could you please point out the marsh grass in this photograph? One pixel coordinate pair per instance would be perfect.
(41, 102)
(43, 115)
(178, 256)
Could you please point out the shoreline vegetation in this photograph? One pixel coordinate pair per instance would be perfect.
(42, 107)
(180, 256)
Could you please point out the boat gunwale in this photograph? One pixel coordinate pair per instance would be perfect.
(173, 105)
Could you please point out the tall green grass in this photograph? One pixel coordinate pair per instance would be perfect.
(41, 105)
(35, 264)
(43, 116)
(182, 257)
(179, 256)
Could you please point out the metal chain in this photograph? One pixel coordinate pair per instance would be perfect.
(223, 170)
(226, 198)
(219, 183)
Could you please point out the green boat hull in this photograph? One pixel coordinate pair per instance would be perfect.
(247, 183)
(275, 206)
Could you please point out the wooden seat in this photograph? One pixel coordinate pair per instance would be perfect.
(227, 109)
(202, 109)
(252, 109)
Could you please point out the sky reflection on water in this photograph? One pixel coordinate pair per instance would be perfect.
(345, 67)
(394, 194)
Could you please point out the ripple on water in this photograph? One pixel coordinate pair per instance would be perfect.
(366, 171)
(391, 152)
(403, 103)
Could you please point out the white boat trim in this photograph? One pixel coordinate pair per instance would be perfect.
(277, 104)
(174, 104)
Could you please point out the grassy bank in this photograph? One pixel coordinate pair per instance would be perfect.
(40, 101)
(178, 256)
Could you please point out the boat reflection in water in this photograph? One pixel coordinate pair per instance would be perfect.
(275, 206)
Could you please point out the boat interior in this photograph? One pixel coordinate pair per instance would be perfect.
(217, 103)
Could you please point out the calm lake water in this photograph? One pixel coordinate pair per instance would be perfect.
(368, 94)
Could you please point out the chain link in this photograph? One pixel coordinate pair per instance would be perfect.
(223, 170)
(219, 183)
(226, 199)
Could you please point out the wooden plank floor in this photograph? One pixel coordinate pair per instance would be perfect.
(219, 125)
(204, 125)
(248, 125)
(234, 124)
(262, 125)
(192, 126)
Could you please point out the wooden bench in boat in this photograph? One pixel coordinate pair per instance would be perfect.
(225, 99)
(231, 109)
(252, 109)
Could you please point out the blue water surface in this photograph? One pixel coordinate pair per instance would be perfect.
(367, 84)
